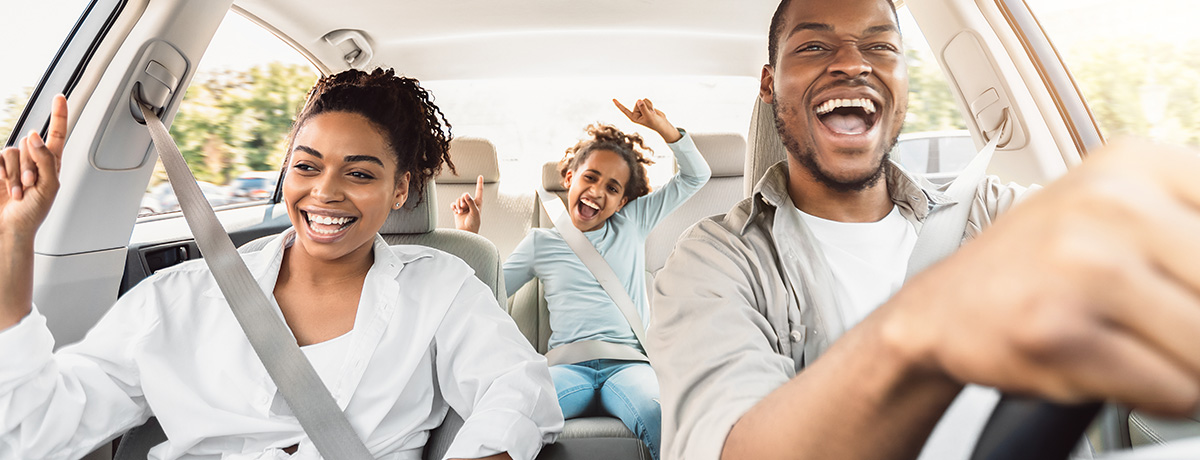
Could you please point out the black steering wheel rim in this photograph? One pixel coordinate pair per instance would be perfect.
(1033, 429)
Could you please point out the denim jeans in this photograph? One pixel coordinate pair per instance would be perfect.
(627, 390)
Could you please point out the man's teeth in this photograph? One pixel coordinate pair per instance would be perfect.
(866, 104)
(589, 204)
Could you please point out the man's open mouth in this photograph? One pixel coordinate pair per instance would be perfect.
(587, 208)
(327, 225)
(848, 116)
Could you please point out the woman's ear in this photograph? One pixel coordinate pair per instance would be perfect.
(401, 191)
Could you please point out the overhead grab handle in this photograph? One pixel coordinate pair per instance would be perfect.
(354, 46)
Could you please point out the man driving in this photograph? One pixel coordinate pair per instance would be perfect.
(1085, 291)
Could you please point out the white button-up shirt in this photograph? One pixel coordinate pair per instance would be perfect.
(428, 336)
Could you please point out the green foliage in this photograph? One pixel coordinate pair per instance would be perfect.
(12, 106)
(232, 121)
(1141, 88)
(931, 105)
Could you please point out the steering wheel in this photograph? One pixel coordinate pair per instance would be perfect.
(1032, 429)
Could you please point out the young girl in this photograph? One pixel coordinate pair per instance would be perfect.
(398, 334)
(607, 200)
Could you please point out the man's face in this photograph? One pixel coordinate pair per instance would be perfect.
(839, 89)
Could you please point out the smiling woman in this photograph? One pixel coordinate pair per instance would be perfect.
(394, 333)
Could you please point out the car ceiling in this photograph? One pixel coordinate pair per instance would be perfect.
(468, 39)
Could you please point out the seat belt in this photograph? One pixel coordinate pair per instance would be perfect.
(584, 350)
(942, 231)
(309, 399)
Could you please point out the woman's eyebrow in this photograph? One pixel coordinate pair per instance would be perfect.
(309, 150)
(366, 158)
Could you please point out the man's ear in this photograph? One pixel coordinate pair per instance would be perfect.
(766, 84)
(401, 191)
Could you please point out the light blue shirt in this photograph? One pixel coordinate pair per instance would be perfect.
(579, 307)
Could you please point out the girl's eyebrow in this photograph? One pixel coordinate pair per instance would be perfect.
(601, 174)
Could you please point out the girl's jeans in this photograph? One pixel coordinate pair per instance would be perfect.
(627, 390)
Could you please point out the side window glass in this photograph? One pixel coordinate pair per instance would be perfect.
(233, 123)
(38, 42)
(1134, 62)
(933, 116)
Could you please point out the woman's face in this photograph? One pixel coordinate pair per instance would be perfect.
(340, 185)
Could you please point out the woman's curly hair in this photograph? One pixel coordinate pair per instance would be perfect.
(629, 146)
(403, 112)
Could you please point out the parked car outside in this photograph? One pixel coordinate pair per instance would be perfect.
(162, 197)
(253, 186)
(938, 155)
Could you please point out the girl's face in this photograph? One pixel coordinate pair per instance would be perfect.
(596, 189)
(340, 186)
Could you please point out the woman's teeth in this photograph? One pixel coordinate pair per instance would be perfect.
(317, 223)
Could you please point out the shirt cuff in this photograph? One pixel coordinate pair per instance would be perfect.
(496, 431)
(37, 344)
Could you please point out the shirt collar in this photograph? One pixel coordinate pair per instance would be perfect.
(916, 194)
(264, 263)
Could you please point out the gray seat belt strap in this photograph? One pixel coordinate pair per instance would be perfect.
(942, 231)
(293, 374)
(595, 263)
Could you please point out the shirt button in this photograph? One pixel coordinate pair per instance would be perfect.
(797, 336)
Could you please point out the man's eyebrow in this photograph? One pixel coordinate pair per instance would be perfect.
(309, 150)
(817, 26)
(366, 158)
(881, 29)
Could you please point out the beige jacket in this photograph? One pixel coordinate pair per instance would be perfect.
(746, 299)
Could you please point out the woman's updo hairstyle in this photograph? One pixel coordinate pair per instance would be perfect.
(629, 146)
(401, 110)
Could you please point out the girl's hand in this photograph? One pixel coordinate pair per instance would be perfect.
(29, 176)
(467, 210)
(645, 114)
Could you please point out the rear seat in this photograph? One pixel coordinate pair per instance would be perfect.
(725, 154)
(506, 217)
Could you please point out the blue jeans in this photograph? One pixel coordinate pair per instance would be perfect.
(627, 390)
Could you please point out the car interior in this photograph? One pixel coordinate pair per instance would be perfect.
(999, 63)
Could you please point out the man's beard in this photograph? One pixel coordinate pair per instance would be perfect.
(807, 157)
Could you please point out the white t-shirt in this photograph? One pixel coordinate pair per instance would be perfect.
(868, 260)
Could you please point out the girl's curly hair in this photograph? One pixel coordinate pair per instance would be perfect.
(401, 110)
(629, 146)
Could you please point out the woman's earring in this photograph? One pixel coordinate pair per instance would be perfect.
(397, 206)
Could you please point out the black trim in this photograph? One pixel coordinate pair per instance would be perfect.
(87, 24)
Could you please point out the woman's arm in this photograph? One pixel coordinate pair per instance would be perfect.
(490, 374)
(28, 184)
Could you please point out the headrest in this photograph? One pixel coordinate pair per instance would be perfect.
(725, 153)
(414, 218)
(765, 148)
(472, 157)
(552, 180)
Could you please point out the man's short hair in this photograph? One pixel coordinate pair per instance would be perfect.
(777, 24)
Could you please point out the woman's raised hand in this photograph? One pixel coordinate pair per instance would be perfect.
(645, 114)
(29, 176)
(467, 210)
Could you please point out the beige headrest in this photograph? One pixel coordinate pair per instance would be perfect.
(725, 153)
(552, 180)
(472, 157)
(764, 148)
(413, 218)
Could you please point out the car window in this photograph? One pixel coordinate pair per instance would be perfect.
(39, 40)
(233, 122)
(1135, 63)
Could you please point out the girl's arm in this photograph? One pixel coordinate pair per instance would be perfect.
(519, 268)
(693, 170)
